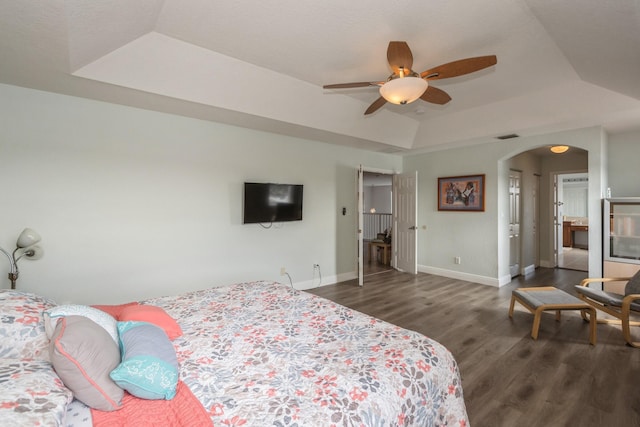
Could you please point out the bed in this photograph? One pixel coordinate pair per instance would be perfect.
(264, 354)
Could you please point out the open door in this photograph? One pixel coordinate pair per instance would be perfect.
(515, 178)
(359, 235)
(405, 241)
(557, 220)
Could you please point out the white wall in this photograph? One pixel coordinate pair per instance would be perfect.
(442, 236)
(480, 239)
(133, 203)
(624, 175)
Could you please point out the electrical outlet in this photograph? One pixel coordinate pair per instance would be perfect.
(457, 260)
(283, 271)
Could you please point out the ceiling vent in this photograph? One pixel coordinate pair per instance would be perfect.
(509, 136)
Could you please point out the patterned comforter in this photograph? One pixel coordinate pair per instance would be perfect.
(263, 354)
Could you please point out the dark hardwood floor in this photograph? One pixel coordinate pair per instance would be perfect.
(509, 379)
(373, 265)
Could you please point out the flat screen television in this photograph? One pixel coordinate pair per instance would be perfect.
(268, 202)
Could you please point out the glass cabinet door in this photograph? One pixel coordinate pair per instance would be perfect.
(624, 229)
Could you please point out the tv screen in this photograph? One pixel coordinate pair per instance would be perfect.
(267, 202)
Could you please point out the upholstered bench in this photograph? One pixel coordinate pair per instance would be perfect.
(540, 299)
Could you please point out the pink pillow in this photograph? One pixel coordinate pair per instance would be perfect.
(151, 314)
(115, 310)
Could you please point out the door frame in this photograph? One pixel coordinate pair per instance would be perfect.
(515, 210)
(557, 204)
(359, 227)
(360, 208)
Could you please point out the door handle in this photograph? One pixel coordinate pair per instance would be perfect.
(413, 227)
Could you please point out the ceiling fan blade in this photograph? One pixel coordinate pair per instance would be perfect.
(399, 56)
(459, 68)
(376, 104)
(435, 96)
(348, 85)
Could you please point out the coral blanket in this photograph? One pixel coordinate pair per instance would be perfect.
(184, 410)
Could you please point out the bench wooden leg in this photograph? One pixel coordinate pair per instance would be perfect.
(558, 315)
(536, 323)
(513, 303)
(593, 323)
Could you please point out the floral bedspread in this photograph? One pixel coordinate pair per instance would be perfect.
(263, 354)
(31, 394)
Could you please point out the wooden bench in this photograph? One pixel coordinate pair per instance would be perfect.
(540, 299)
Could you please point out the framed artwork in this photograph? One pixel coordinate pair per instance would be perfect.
(461, 193)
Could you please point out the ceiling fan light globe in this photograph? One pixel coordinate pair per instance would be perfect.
(403, 90)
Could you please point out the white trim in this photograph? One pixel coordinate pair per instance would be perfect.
(528, 269)
(331, 280)
(380, 171)
(504, 280)
(483, 280)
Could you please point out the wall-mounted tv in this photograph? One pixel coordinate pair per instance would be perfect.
(268, 202)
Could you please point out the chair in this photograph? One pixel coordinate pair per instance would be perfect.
(619, 306)
(383, 248)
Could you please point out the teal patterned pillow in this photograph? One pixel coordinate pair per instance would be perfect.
(149, 367)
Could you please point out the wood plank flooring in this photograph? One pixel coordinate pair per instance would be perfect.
(509, 379)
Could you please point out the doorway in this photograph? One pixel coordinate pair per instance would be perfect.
(572, 224)
(377, 222)
(530, 238)
(515, 178)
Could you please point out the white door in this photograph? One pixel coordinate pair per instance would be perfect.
(515, 177)
(557, 221)
(359, 235)
(536, 218)
(405, 242)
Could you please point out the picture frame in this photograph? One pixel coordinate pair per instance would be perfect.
(461, 193)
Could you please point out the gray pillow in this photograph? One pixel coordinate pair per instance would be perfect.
(633, 285)
(83, 354)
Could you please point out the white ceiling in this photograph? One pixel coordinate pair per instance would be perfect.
(261, 64)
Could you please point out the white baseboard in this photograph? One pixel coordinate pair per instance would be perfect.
(504, 280)
(330, 280)
(483, 280)
(529, 269)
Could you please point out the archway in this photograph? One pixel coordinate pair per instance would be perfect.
(536, 245)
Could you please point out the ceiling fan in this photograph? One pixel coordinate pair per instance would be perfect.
(405, 85)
